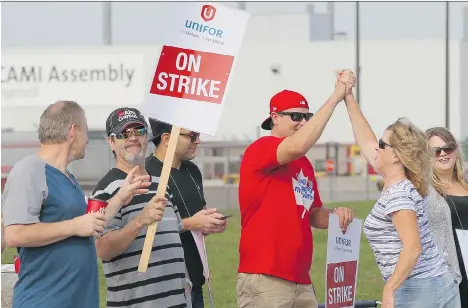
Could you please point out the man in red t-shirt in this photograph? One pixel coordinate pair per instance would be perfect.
(279, 204)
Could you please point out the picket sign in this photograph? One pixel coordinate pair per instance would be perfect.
(342, 263)
(192, 78)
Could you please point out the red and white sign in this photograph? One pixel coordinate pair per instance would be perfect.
(342, 263)
(341, 280)
(191, 74)
(194, 69)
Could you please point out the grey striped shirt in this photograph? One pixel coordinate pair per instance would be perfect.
(162, 285)
(440, 222)
(384, 239)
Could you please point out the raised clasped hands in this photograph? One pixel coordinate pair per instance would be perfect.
(345, 82)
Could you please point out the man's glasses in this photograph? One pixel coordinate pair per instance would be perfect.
(448, 149)
(193, 136)
(383, 144)
(298, 116)
(137, 132)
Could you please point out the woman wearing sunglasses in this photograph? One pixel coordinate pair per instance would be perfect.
(448, 202)
(415, 273)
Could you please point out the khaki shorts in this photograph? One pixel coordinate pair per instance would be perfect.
(264, 291)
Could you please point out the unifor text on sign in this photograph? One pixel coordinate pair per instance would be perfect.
(195, 66)
(342, 263)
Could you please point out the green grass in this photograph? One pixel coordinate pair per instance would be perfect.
(223, 259)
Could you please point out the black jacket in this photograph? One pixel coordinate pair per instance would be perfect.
(187, 188)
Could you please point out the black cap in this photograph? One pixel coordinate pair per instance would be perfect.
(122, 117)
(158, 128)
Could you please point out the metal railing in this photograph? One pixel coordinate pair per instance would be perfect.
(361, 304)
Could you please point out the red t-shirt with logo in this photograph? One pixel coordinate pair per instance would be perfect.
(276, 237)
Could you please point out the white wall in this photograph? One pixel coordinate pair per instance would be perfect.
(398, 78)
(24, 101)
(284, 28)
(463, 87)
(35, 24)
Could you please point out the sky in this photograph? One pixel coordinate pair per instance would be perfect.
(80, 23)
(382, 20)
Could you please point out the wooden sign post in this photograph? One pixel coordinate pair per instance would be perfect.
(162, 186)
(192, 77)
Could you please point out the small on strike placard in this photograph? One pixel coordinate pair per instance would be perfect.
(342, 263)
(192, 74)
(341, 282)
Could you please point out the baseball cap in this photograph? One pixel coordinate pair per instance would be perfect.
(284, 100)
(158, 128)
(122, 117)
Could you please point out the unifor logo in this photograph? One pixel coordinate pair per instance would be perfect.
(208, 12)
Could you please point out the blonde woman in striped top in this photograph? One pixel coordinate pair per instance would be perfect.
(415, 273)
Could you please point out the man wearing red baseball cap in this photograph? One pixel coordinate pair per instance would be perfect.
(279, 204)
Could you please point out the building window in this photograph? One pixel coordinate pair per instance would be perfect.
(219, 152)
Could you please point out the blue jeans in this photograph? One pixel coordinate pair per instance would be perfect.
(197, 297)
(436, 292)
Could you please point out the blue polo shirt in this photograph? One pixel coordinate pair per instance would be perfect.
(63, 274)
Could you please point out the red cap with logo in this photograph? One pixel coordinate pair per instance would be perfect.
(284, 100)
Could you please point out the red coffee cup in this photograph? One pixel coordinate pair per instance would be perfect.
(96, 206)
(16, 262)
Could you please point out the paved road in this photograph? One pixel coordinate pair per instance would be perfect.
(336, 189)
(8, 283)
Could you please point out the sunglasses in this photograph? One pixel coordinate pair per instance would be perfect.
(193, 136)
(448, 149)
(298, 116)
(383, 144)
(129, 132)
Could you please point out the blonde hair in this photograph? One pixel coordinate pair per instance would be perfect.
(459, 172)
(410, 145)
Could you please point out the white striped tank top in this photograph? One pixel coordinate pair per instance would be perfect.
(384, 239)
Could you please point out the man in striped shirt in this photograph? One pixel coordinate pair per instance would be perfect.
(120, 247)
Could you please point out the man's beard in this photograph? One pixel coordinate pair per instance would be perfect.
(136, 160)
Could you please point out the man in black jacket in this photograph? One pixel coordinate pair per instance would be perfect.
(187, 188)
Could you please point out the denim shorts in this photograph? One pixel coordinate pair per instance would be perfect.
(435, 292)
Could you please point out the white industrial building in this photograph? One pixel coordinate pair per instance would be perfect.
(299, 46)
(398, 79)
(103, 56)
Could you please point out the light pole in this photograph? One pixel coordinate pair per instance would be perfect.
(107, 23)
(358, 85)
(358, 60)
(447, 65)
